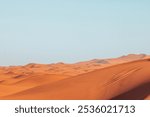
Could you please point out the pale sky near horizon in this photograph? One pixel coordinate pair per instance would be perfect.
(47, 31)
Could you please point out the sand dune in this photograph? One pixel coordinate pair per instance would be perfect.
(8, 87)
(67, 69)
(148, 97)
(126, 77)
(137, 93)
(105, 83)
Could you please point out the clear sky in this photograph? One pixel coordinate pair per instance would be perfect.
(47, 31)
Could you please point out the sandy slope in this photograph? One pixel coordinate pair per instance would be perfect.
(106, 83)
(148, 97)
(41, 79)
(14, 85)
(137, 93)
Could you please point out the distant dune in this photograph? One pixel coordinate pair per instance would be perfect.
(126, 77)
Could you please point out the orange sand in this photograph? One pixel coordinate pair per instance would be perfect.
(127, 77)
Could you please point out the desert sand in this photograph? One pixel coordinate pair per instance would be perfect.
(147, 98)
(126, 77)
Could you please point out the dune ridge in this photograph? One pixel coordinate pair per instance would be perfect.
(120, 78)
(68, 69)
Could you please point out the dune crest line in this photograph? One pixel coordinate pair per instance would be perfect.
(99, 84)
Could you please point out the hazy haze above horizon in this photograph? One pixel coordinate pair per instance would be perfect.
(47, 31)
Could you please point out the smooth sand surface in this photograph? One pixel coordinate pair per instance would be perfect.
(105, 83)
(8, 87)
(126, 77)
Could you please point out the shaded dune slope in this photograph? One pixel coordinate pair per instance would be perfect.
(139, 93)
(106, 83)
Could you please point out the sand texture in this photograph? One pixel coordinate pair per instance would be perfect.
(123, 78)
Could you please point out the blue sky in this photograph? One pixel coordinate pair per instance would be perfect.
(47, 31)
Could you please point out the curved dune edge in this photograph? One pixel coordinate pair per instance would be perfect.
(137, 93)
(148, 97)
(105, 83)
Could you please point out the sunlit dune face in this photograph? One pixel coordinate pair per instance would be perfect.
(126, 77)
